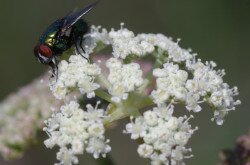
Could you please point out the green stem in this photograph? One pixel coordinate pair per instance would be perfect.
(102, 80)
(100, 46)
(104, 95)
(129, 107)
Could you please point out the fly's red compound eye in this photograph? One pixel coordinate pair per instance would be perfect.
(45, 51)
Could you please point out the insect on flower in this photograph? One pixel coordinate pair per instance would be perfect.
(61, 35)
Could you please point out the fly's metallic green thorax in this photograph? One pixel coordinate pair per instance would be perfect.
(61, 35)
(51, 37)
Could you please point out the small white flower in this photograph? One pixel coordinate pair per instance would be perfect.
(151, 118)
(96, 130)
(97, 147)
(77, 146)
(145, 150)
(59, 90)
(181, 138)
(136, 129)
(67, 110)
(192, 102)
(66, 157)
(172, 123)
(160, 96)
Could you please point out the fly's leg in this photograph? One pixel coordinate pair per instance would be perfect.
(77, 48)
(76, 44)
(79, 44)
(81, 40)
(54, 65)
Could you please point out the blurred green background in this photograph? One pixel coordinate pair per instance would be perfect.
(217, 30)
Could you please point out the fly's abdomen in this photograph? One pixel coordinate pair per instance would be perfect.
(80, 28)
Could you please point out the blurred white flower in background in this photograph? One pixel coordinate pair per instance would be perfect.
(22, 115)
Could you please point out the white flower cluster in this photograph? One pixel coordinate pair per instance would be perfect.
(164, 136)
(21, 116)
(170, 83)
(124, 78)
(194, 85)
(208, 83)
(150, 67)
(124, 43)
(75, 130)
(77, 73)
(174, 51)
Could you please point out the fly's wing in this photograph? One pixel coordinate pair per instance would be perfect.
(72, 18)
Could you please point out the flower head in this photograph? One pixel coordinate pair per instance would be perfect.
(142, 72)
(175, 76)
